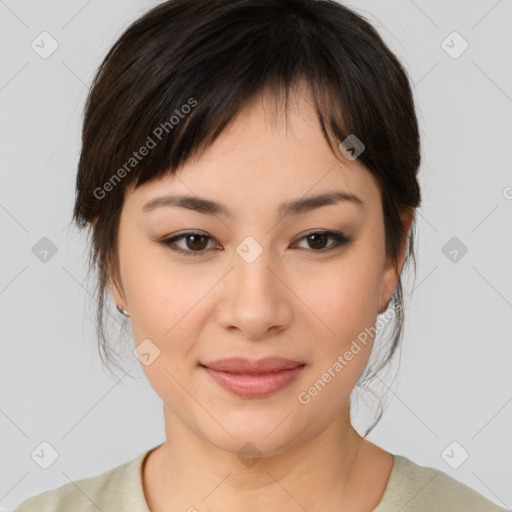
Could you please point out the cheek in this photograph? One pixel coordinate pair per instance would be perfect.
(344, 299)
(166, 310)
(161, 295)
(344, 296)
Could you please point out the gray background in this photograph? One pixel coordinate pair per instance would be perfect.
(454, 381)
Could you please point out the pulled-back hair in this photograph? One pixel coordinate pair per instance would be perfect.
(179, 75)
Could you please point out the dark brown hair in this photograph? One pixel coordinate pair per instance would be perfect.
(180, 74)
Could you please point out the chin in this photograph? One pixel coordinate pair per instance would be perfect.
(254, 434)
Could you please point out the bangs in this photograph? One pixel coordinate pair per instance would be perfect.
(167, 89)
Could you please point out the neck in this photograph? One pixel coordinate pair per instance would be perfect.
(322, 472)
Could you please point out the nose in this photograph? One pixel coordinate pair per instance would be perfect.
(255, 301)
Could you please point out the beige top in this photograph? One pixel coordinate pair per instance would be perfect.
(410, 488)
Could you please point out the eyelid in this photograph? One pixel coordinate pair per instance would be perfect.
(339, 238)
(168, 241)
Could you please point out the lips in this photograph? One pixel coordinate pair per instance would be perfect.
(251, 379)
(241, 366)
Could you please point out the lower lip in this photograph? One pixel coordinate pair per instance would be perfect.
(255, 386)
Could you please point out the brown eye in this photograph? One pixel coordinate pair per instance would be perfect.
(190, 244)
(317, 240)
(196, 242)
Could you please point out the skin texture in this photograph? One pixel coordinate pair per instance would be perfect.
(293, 301)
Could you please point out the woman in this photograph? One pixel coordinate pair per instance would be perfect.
(249, 175)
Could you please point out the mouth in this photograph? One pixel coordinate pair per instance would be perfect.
(254, 379)
(238, 365)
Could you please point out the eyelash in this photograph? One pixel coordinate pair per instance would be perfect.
(339, 238)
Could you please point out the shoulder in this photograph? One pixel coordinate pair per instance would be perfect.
(114, 490)
(412, 487)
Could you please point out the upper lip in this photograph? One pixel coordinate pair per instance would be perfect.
(246, 366)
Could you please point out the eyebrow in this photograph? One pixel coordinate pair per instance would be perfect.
(206, 206)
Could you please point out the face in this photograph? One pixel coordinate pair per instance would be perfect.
(254, 279)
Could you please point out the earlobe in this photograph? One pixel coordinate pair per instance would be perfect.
(388, 285)
(118, 297)
(116, 294)
(393, 268)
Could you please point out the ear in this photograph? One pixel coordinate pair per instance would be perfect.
(392, 269)
(117, 293)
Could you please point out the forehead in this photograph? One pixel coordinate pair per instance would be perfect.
(265, 157)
